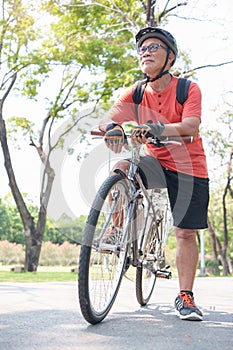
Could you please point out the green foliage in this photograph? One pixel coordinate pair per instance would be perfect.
(11, 226)
(91, 41)
(41, 276)
(18, 34)
(98, 37)
(65, 229)
(5, 221)
(16, 123)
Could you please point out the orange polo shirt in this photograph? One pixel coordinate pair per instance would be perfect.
(163, 106)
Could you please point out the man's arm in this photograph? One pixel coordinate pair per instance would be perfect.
(187, 127)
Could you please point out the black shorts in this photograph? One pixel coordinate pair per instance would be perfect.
(188, 195)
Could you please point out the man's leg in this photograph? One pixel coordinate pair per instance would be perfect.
(186, 262)
(112, 234)
(186, 257)
(118, 217)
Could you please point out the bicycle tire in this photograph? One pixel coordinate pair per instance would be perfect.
(145, 279)
(99, 280)
(153, 256)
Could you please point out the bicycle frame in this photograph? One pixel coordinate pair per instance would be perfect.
(134, 182)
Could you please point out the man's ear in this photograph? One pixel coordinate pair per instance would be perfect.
(171, 58)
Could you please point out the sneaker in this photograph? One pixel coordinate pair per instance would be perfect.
(186, 308)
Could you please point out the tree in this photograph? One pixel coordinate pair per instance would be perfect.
(16, 32)
(221, 209)
(25, 65)
(22, 63)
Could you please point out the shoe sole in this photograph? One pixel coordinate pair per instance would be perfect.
(191, 317)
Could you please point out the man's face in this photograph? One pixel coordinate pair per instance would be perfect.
(152, 62)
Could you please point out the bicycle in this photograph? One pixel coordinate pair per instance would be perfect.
(143, 216)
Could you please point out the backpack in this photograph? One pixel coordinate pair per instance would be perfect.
(181, 92)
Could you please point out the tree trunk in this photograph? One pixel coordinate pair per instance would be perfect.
(213, 240)
(33, 235)
(34, 239)
(27, 219)
(223, 257)
(222, 250)
(225, 265)
(226, 269)
(32, 251)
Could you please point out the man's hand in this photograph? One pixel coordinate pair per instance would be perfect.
(143, 132)
(115, 137)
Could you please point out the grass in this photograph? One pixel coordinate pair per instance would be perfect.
(54, 274)
(40, 276)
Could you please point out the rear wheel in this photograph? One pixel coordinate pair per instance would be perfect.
(102, 262)
(145, 275)
(152, 247)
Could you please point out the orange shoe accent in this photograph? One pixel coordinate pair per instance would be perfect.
(187, 299)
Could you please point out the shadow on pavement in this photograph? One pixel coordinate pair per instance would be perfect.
(158, 327)
(151, 327)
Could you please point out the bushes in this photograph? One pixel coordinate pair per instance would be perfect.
(54, 254)
(11, 253)
(65, 254)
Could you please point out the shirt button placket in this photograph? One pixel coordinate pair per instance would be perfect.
(159, 96)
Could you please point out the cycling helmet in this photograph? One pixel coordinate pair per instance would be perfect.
(161, 34)
(166, 38)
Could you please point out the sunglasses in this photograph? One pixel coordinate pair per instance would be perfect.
(150, 48)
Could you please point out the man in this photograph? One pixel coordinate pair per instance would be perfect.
(182, 169)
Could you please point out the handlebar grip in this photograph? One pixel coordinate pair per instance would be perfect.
(188, 139)
(97, 133)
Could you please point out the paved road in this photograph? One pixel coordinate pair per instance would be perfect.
(45, 316)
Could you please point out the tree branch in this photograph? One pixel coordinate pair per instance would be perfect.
(165, 12)
(143, 5)
(207, 66)
(14, 76)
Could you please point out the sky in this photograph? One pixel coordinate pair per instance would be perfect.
(203, 30)
(208, 39)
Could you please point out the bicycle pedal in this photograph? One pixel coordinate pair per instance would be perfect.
(163, 274)
(107, 248)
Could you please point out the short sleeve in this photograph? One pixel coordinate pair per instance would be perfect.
(124, 108)
(193, 105)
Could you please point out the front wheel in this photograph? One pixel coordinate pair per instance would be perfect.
(103, 261)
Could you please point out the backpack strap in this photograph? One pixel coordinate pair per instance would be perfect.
(182, 90)
(138, 92)
(139, 88)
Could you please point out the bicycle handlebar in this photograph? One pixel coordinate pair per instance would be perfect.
(176, 139)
